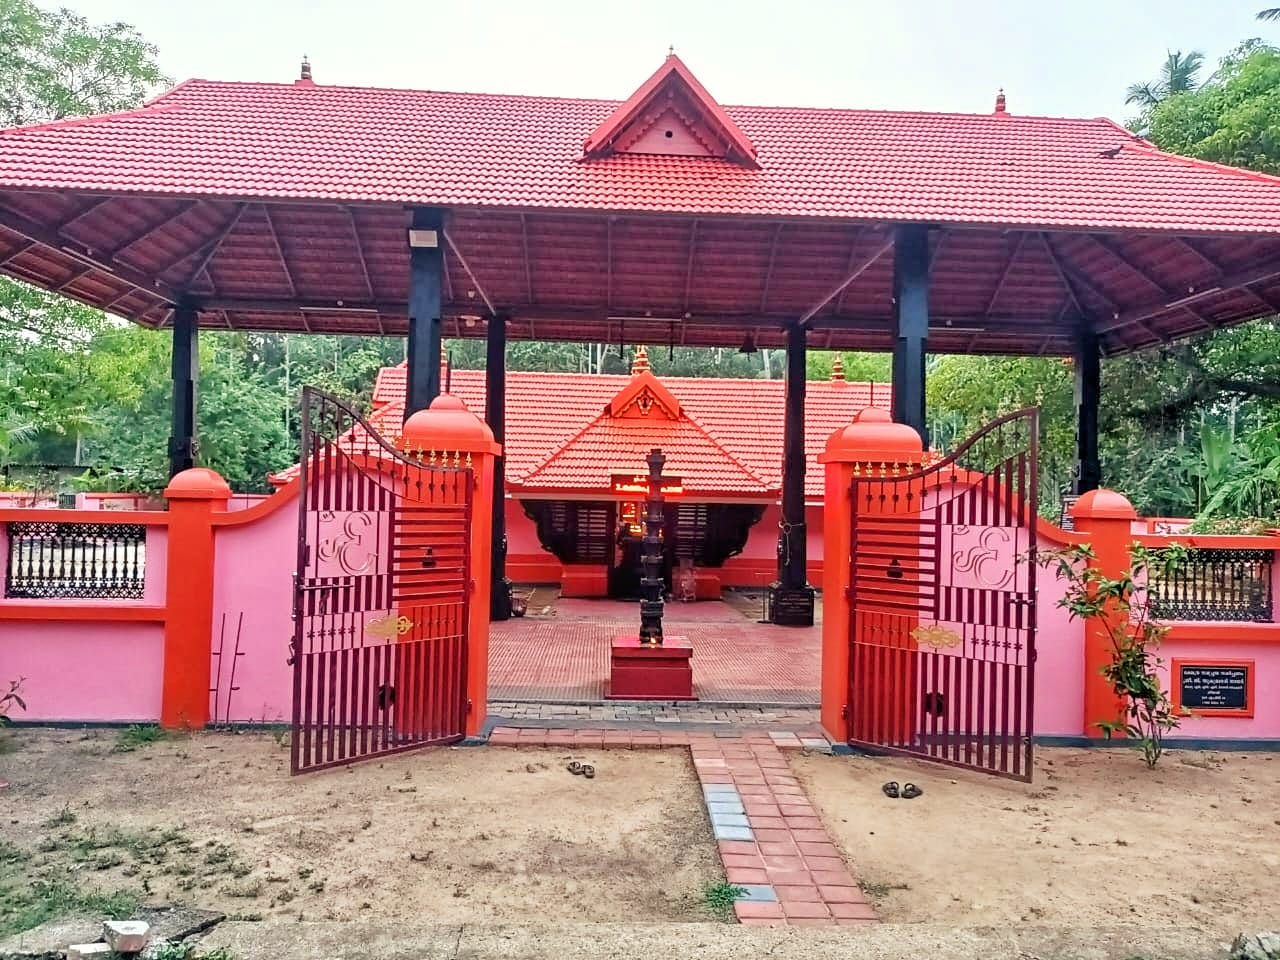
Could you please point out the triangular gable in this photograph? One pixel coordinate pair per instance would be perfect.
(608, 445)
(672, 114)
(644, 396)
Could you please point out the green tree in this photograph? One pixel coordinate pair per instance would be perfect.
(58, 65)
(1273, 13)
(1178, 74)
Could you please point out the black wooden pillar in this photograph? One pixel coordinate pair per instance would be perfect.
(791, 597)
(185, 369)
(1088, 370)
(911, 307)
(495, 412)
(426, 265)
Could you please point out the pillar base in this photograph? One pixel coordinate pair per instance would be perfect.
(639, 671)
(791, 606)
(500, 600)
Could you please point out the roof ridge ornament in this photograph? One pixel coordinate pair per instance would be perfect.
(304, 72)
(1000, 103)
(640, 362)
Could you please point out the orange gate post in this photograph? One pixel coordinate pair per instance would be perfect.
(451, 434)
(871, 441)
(1105, 518)
(194, 495)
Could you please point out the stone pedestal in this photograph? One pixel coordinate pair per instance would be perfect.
(645, 672)
(791, 606)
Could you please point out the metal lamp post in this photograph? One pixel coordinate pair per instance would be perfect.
(651, 555)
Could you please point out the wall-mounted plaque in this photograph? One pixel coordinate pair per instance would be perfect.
(1214, 688)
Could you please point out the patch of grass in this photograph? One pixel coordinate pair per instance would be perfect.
(221, 953)
(11, 854)
(878, 891)
(137, 735)
(719, 899)
(63, 818)
(29, 904)
(172, 951)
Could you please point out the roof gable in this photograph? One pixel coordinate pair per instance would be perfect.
(672, 114)
(643, 396)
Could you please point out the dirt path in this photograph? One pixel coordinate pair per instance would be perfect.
(1097, 840)
(445, 835)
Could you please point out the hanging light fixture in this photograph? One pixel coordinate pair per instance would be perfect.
(748, 344)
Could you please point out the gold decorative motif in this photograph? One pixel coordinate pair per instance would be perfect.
(936, 635)
(389, 626)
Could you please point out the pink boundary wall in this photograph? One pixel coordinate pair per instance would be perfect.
(82, 667)
(77, 668)
(253, 595)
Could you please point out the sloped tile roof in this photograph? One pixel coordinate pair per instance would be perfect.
(743, 418)
(607, 446)
(314, 142)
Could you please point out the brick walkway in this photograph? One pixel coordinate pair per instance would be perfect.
(564, 656)
(771, 841)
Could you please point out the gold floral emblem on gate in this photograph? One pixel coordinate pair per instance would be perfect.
(388, 626)
(937, 636)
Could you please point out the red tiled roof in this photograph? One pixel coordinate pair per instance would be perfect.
(742, 418)
(315, 142)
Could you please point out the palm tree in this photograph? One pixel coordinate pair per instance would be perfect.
(1178, 75)
(1272, 14)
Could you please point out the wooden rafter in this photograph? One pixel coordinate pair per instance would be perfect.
(284, 262)
(768, 273)
(83, 211)
(20, 223)
(153, 228)
(1005, 271)
(688, 274)
(470, 273)
(852, 276)
(528, 260)
(204, 255)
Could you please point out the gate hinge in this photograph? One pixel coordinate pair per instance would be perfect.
(470, 706)
(844, 711)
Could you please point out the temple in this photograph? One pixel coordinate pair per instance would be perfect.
(575, 485)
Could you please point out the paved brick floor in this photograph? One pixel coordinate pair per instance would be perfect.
(771, 840)
(562, 655)
(654, 716)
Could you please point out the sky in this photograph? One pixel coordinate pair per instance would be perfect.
(1070, 58)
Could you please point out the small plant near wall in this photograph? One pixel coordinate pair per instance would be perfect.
(9, 700)
(1120, 607)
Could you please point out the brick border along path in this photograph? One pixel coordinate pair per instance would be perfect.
(770, 838)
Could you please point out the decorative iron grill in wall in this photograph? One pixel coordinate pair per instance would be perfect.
(1216, 585)
(75, 560)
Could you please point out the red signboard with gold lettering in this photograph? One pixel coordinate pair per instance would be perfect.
(637, 485)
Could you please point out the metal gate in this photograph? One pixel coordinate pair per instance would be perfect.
(943, 603)
(381, 594)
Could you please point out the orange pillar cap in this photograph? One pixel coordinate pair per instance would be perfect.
(1103, 505)
(197, 483)
(448, 425)
(873, 437)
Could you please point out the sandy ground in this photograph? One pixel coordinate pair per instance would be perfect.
(1097, 841)
(443, 835)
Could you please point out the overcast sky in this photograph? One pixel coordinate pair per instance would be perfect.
(1069, 58)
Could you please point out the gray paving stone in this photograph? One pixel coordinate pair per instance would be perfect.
(728, 819)
(719, 790)
(732, 833)
(715, 806)
(758, 893)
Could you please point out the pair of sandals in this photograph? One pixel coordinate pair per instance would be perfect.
(908, 792)
(577, 768)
